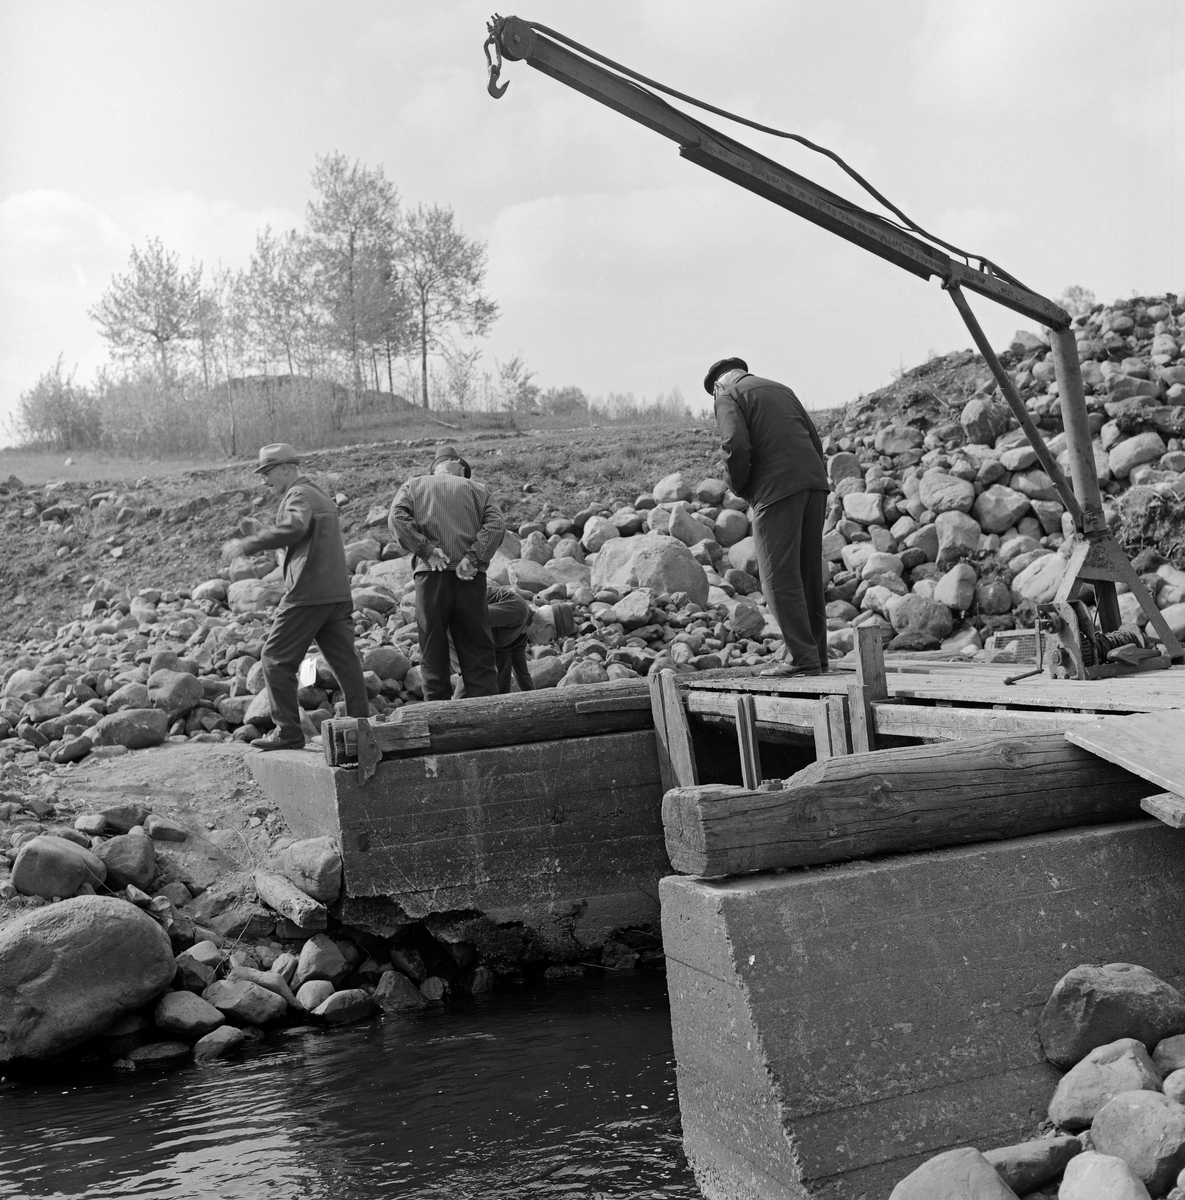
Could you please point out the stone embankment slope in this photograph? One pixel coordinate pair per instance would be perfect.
(941, 531)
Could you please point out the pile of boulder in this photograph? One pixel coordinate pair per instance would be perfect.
(113, 958)
(1116, 1126)
(942, 531)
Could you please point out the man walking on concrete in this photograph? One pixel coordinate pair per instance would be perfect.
(775, 461)
(316, 605)
(448, 521)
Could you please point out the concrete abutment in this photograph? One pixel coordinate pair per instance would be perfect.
(835, 1026)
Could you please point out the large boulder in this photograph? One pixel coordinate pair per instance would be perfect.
(283, 896)
(1146, 1130)
(942, 493)
(898, 439)
(998, 508)
(315, 866)
(983, 420)
(174, 692)
(25, 684)
(686, 528)
(916, 614)
(387, 662)
(958, 537)
(597, 531)
(730, 527)
(131, 695)
(1144, 447)
(1031, 1165)
(1093, 1006)
(186, 1014)
(320, 959)
(253, 595)
(660, 563)
(1122, 1066)
(529, 576)
(129, 858)
(962, 1174)
(135, 728)
(866, 508)
(53, 868)
(1093, 1176)
(1040, 580)
(69, 970)
(569, 572)
(671, 488)
(245, 1001)
(742, 556)
(956, 589)
(395, 574)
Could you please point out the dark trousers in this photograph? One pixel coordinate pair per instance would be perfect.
(788, 538)
(512, 660)
(448, 605)
(294, 629)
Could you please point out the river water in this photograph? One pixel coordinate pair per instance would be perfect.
(539, 1091)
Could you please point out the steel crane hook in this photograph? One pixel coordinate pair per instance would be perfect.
(494, 65)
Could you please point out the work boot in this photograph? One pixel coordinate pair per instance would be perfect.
(784, 670)
(274, 741)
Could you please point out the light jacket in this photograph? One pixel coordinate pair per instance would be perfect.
(449, 512)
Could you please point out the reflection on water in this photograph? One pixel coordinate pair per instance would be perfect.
(567, 1090)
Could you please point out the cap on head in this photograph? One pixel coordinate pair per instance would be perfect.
(447, 453)
(718, 368)
(274, 455)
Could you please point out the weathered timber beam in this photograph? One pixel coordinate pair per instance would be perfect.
(931, 721)
(446, 726)
(896, 801)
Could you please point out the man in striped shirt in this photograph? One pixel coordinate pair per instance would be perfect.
(451, 525)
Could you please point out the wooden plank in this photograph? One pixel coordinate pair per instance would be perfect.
(869, 688)
(796, 713)
(658, 713)
(746, 720)
(1151, 745)
(832, 735)
(1167, 807)
(930, 721)
(679, 744)
(897, 801)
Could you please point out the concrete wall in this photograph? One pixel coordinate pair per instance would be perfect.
(564, 837)
(835, 1026)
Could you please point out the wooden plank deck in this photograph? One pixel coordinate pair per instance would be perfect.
(930, 698)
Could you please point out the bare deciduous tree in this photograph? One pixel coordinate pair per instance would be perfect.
(442, 276)
(152, 309)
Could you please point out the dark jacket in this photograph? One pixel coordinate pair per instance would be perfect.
(771, 447)
(309, 538)
(446, 511)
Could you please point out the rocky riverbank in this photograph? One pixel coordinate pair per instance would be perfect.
(1116, 1122)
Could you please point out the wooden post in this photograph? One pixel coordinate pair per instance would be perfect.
(832, 732)
(660, 733)
(746, 717)
(870, 686)
(679, 746)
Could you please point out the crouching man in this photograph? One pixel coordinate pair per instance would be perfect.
(317, 606)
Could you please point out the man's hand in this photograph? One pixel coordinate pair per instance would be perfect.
(232, 550)
(466, 569)
(437, 560)
(249, 526)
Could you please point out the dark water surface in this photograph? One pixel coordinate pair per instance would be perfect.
(538, 1091)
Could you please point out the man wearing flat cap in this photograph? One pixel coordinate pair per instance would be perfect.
(317, 606)
(448, 521)
(775, 461)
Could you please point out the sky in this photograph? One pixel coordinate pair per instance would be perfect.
(1048, 135)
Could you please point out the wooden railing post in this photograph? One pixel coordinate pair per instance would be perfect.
(869, 688)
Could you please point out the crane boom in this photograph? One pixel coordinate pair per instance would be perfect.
(706, 146)
(1096, 557)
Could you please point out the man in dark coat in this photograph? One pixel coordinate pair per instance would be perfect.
(317, 606)
(775, 461)
(510, 622)
(452, 526)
